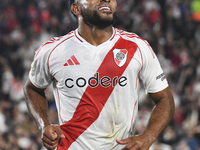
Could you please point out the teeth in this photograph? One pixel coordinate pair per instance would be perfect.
(104, 8)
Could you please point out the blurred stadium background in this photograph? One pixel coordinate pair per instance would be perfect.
(172, 27)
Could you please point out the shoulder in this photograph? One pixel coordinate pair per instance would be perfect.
(125, 34)
(47, 47)
(140, 42)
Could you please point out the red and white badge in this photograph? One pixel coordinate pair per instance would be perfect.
(120, 56)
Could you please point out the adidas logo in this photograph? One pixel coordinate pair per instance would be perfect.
(72, 61)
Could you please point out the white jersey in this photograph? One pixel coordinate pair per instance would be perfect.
(96, 87)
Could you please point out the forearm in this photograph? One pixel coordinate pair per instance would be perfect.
(37, 105)
(160, 117)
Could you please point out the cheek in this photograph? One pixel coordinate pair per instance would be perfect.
(114, 6)
(88, 5)
(84, 3)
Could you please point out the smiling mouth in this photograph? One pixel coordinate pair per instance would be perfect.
(105, 8)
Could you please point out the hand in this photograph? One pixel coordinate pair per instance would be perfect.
(136, 143)
(50, 136)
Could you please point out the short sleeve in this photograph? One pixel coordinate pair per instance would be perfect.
(39, 74)
(152, 74)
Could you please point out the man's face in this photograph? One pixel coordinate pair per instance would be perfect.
(99, 13)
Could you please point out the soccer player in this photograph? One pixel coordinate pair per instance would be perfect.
(95, 71)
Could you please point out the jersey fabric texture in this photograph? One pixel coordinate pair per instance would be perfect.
(96, 87)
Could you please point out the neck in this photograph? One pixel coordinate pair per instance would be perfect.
(93, 34)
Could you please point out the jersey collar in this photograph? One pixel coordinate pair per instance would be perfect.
(77, 35)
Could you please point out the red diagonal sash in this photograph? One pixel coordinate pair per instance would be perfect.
(94, 99)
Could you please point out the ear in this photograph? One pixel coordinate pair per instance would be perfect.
(76, 9)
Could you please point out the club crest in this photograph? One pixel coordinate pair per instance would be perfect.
(120, 56)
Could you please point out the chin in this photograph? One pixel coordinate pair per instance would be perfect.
(100, 20)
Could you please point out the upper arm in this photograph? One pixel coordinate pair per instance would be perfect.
(30, 87)
(164, 95)
(39, 74)
(151, 74)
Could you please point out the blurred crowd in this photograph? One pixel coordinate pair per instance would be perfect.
(172, 27)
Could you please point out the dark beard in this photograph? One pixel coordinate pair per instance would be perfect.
(94, 19)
